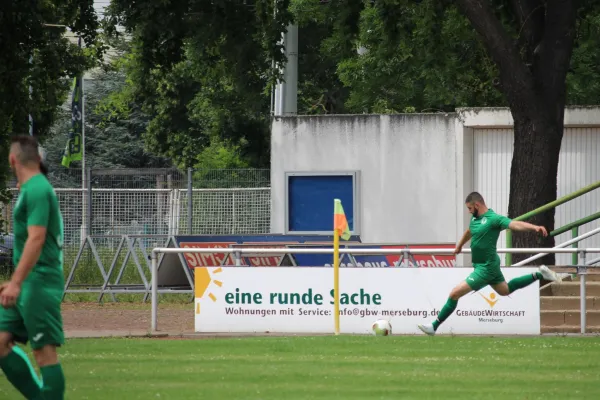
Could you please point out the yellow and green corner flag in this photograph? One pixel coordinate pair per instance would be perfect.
(340, 223)
(340, 229)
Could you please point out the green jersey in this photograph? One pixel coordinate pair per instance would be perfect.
(485, 230)
(37, 205)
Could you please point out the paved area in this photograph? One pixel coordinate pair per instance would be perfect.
(124, 319)
(175, 321)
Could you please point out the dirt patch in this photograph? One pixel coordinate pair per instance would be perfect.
(126, 318)
(175, 322)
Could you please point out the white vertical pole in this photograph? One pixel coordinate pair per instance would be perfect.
(83, 128)
(582, 282)
(154, 292)
(85, 229)
(290, 102)
(233, 214)
(274, 89)
(286, 92)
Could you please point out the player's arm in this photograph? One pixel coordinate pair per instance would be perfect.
(38, 212)
(464, 239)
(31, 253)
(9, 292)
(522, 226)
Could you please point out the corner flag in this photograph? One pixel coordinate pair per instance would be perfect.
(340, 229)
(340, 223)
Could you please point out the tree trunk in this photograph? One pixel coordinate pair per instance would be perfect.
(533, 176)
(533, 79)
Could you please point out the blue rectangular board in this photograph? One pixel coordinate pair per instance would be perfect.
(310, 201)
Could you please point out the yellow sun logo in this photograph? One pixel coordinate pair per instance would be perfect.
(202, 280)
(492, 300)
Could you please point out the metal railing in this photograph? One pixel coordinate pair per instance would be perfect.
(573, 241)
(574, 228)
(238, 252)
(550, 206)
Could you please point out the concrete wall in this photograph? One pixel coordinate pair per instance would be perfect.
(407, 164)
(416, 169)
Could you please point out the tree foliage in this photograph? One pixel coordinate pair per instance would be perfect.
(202, 71)
(426, 56)
(113, 126)
(33, 54)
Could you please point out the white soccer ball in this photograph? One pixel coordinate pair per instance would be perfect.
(381, 327)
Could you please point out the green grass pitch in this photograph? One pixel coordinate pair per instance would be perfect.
(330, 367)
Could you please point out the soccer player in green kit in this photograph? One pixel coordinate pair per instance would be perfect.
(484, 229)
(31, 300)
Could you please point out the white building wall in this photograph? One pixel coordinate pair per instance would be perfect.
(492, 156)
(407, 164)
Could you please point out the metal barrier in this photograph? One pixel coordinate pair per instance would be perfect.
(560, 246)
(238, 252)
(550, 206)
(113, 265)
(105, 251)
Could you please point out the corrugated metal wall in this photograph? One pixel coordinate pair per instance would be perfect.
(579, 166)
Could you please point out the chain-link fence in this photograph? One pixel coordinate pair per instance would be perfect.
(158, 202)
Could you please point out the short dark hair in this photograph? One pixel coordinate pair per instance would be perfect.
(28, 148)
(474, 197)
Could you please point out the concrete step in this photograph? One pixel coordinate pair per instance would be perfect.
(567, 288)
(561, 329)
(551, 303)
(568, 317)
(546, 291)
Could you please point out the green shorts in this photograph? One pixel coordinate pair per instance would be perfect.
(37, 316)
(483, 275)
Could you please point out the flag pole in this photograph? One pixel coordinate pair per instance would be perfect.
(84, 207)
(340, 230)
(82, 124)
(336, 279)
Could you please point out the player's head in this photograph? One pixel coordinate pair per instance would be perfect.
(475, 203)
(24, 154)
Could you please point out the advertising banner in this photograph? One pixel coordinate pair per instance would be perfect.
(300, 300)
(217, 258)
(396, 260)
(216, 242)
